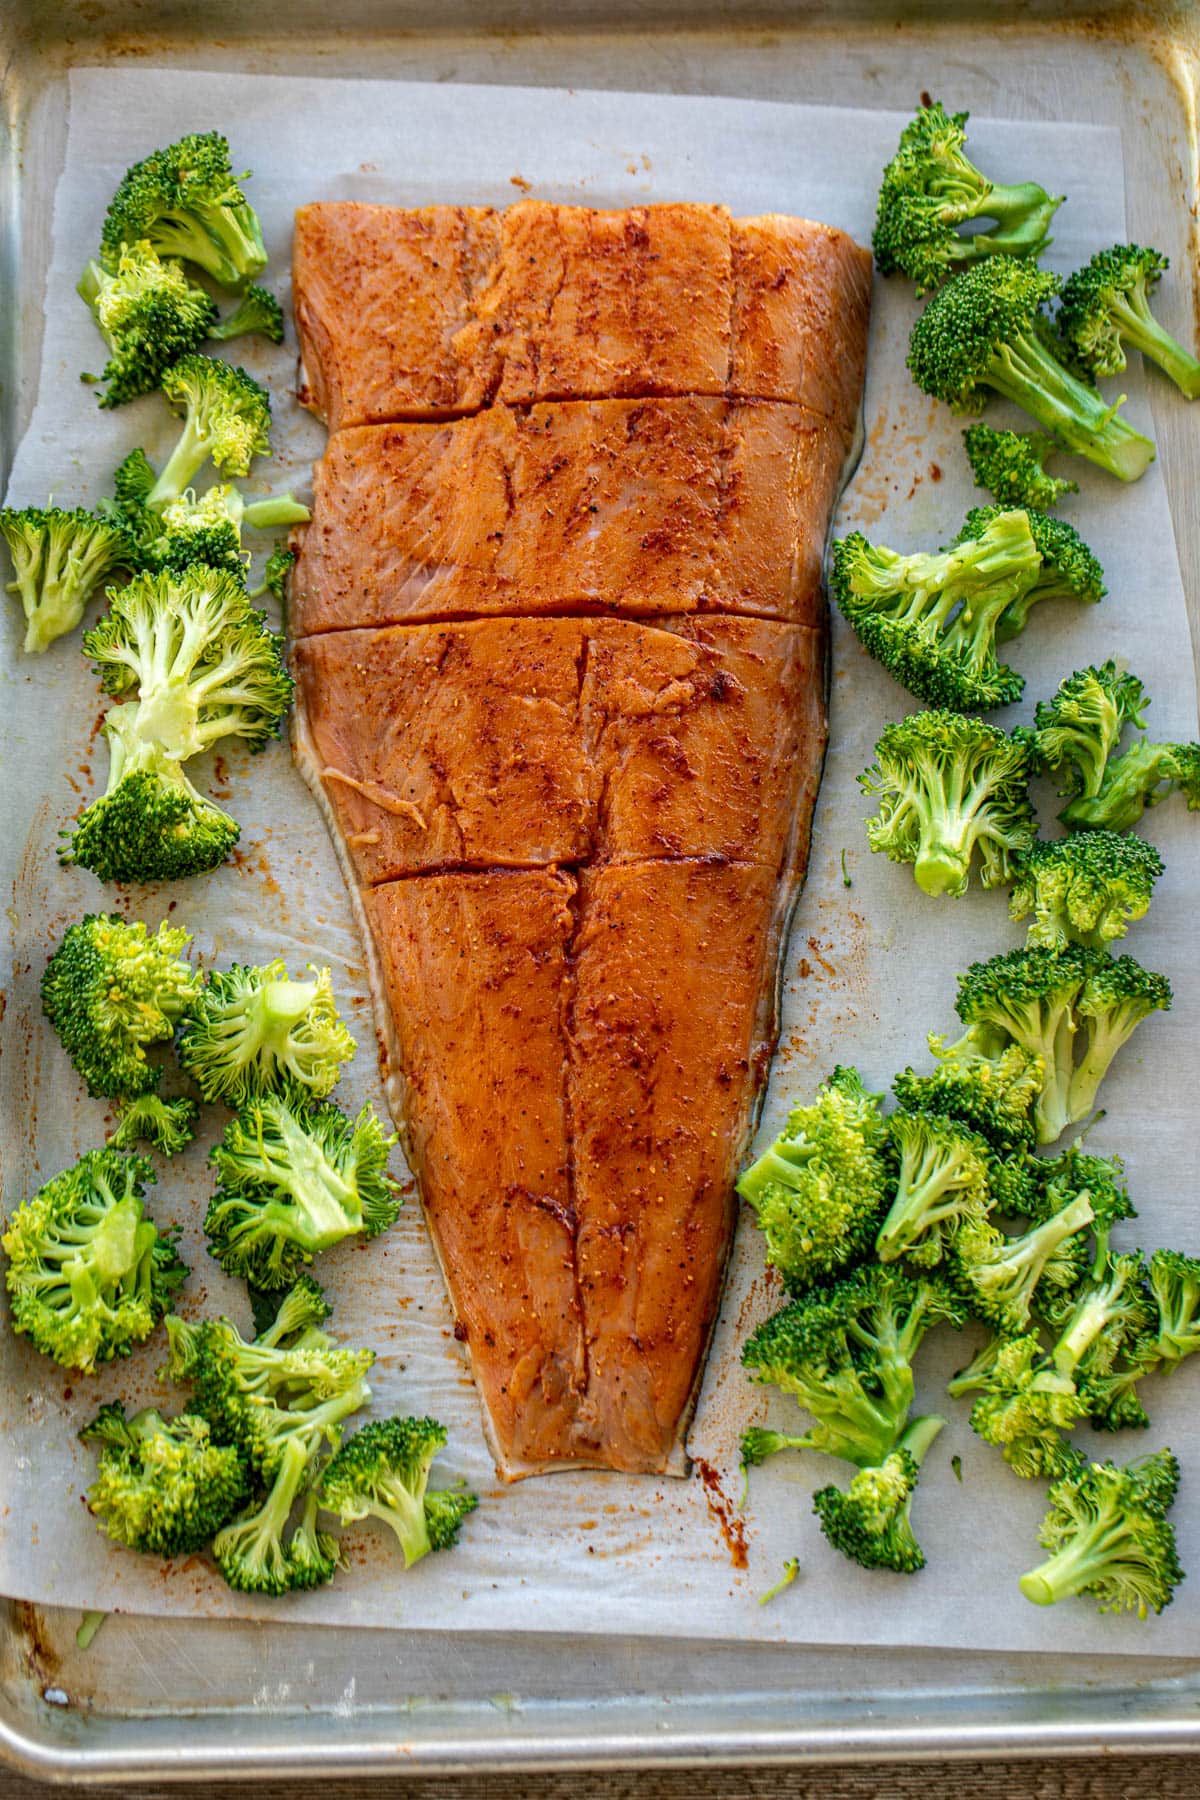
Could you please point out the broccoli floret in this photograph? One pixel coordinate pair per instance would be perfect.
(170, 1125)
(1060, 1179)
(986, 330)
(111, 988)
(820, 1190)
(845, 1353)
(947, 787)
(162, 1485)
(1142, 777)
(256, 1555)
(1117, 995)
(202, 660)
(295, 1180)
(758, 1443)
(1100, 1319)
(871, 1522)
(999, 1274)
(59, 559)
(149, 315)
(1078, 731)
(257, 312)
(1106, 304)
(942, 1185)
(930, 618)
(276, 570)
(1111, 1395)
(1085, 888)
(931, 187)
(1023, 1407)
(1175, 1284)
(227, 419)
(255, 1030)
(88, 1275)
(185, 201)
(1069, 569)
(150, 824)
(208, 530)
(1109, 1537)
(382, 1472)
(995, 1098)
(1011, 465)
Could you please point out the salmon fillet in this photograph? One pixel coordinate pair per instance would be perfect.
(560, 650)
(653, 506)
(417, 314)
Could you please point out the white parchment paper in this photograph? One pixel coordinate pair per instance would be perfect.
(870, 968)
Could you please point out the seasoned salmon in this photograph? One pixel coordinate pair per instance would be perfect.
(560, 644)
(417, 314)
(646, 506)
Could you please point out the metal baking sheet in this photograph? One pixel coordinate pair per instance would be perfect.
(152, 1696)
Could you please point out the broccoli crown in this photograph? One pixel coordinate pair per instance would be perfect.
(258, 1555)
(162, 1485)
(942, 1185)
(255, 1030)
(205, 530)
(1109, 1537)
(1106, 304)
(871, 1522)
(999, 1275)
(1117, 995)
(227, 420)
(845, 1353)
(819, 1192)
(111, 988)
(1100, 1318)
(1079, 729)
(1011, 465)
(930, 187)
(169, 1125)
(1069, 569)
(257, 312)
(949, 787)
(985, 330)
(150, 824)
(88, 1275)
(296, 1179)
(1175, 1284)
(186, 202)
(59, 559)
(149, 315)
(1085, 888)
(931, 618)
(382, 1472)
(202, 660)
(994, 1097)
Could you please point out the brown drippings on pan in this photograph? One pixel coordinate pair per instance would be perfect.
(41, 1657)
(721, 1510)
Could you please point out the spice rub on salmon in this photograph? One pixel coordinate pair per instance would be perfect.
(423, 313)
(629, 506)
(559, 643)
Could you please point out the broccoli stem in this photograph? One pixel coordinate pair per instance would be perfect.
(265, 515)
(1053, 1113)
(183, 464)
(1126, 788)
(920, 1435)
(1138, 325)
(1077, 1564)
(1023, 210)
(1104, 1038)
(1025, 371)
(920, 1202)
(949, 829)
(781, 1164)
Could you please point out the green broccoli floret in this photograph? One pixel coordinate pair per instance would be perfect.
(382, 1472)
(1117, 995)
(255, 1553)
(931, 187)
(845, 1353)
(1175, 1284)
(942, 1185)
(257, 312)
(758, 1443)
(986, 330)
(999, 1275)
(1100, 1319)
(1111, 1394)
(207, 529)
(149, 315)
(1078, 733)
(1011, 465)
(111, 988)
(871, 1523)
(931, 617)
(296, 1179)
(276, 570)
(88, 1275)
(1023, 1407)
(995, 1098)
(1106, 305)
(819, 1191)
(255, 1031)
(202, 660)
(1060, 1179)
(1085, 888)
(227, 420)
(170, 1125)
(150, 824)
(1109, 1537)
(162, 1485)
(59, 559)
(947, 787)
(1069, 569)
(185, 201)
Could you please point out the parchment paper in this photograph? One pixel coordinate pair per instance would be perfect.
(870, 968)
